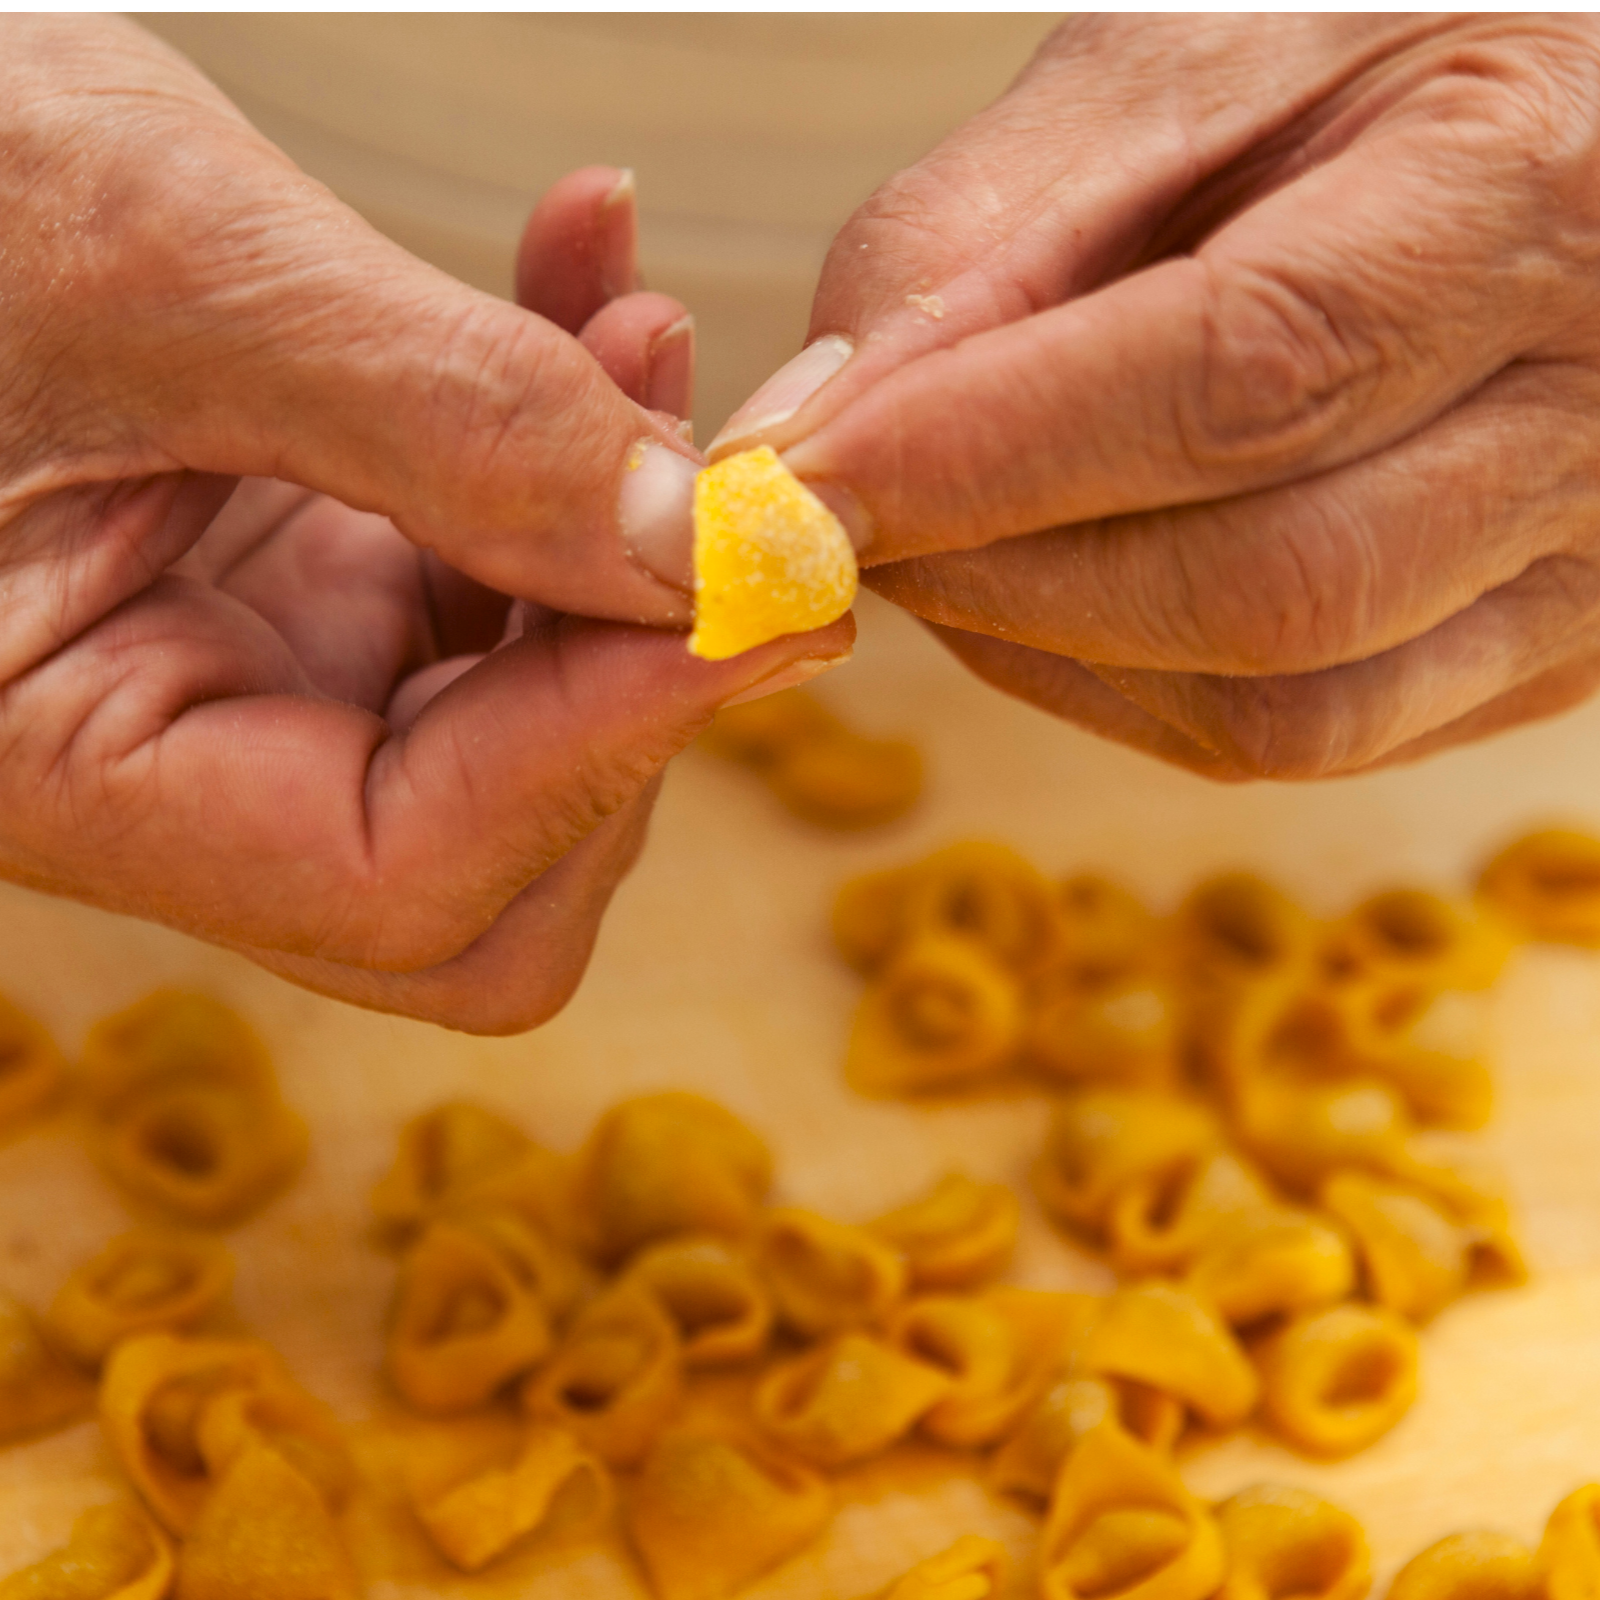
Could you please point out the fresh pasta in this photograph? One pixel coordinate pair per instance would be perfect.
(711, 1512)
(39, 1391)
(147, 1281)
(115, 1553)
(826, 1275)
(32, 1071)
(1568, 1559)
(722, 1309)
(1478, 1565)
(1283, 1543)
(970, 1569)
(958, 1234)
(1546, 885)
(1272, 1261)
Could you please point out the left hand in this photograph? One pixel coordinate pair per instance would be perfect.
(1232, 385)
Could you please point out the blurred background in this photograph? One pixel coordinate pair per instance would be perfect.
(753, 137)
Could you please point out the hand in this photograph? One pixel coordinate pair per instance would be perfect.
(267, 485)
(1232, 385)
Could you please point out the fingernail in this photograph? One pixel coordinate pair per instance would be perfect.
(655, 513)
(784, 393)
(789, 677)
(669, 371)
(619, 238)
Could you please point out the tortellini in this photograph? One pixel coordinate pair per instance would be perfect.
(1271, 1261)
(1472, 1566)
(185, 1109)
(115, 1553)
(1121, 1524)
(722, 1309)
(971, 1569)
(847, 1399)
(617, 1377)
(464, 1322)
(1126, 1029)
(32, 1070)
(39, 1391)
(1333, 1381)
(958, 1234)
(1569, 1554)
(993, 1374)
(711, 1512)
(1286, 1544)
(477, 1506)
(146, 1281)
(1547, 886)
(827, 1275)
(669, 1163)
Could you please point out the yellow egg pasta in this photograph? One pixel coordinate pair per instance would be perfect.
(1103, 931)
(942, 1013)
(617, 1377)
(1471, 1566)
(761, 732)
(115, 1553)
(1272, 1261)
(867, 924)
(39, 1391)
(1162, 1220)
(1125, 1030)
(988, 895)
(1286, 1544)
(711, 1513)
(147, 1281)
(1237, 929)
(1568, 1560)
(1302, 1133)
(848, 782)
(476, 1507)
(281, 1416)
(1122, 1525)
(32, 1070)
(971, 1569)
(827, 1275)
(463, 1322)
(1103, 1140)
(958, 1234)
(847, 1399)
(993, 1374)
(1333, 1381)
(722, 1309)
(1431, 1046)
(669, 1163)
(1162, 1335)
(1423, 937)
(1546, 885)
(264, 1533)
(556, 1276)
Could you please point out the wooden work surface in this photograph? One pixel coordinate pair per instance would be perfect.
(714, 972)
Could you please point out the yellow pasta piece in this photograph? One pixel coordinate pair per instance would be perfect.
(1273, 1261)
(1427, 939)
(827, 1275)
(1163, 1335)
(1103, 930)
(971, 1569)
(1431, 1046)
(32, 1070)
(1160, 1221)
(463, 1322)
(1546, 885)
(769, 557)
(616, 1378)
(846, 1400)
(264, 1533)
(1103, 1140)
(941, 1014)
(710, 1513)
(1122, 1524)
(151, 1397)
(546, 1269)
(39, 1391)
(1471, 1566)
(476, 1508)
(867, 920)
(146, 1281)
(722, 1309)
(989, 896)
(1285, 1544)
(1237, 929)
(1569, 1554)
(848, 781)
(761, 732)
(670, 1163)
(1333, 1381)
(957, 1235)
(283, 1417)
(1303, 1132)
(115, 1553)
(1124, 1030)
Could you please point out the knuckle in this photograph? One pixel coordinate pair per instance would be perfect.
(1286, 728)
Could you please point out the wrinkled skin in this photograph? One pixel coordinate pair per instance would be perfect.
(268, 489)
(1231, 386)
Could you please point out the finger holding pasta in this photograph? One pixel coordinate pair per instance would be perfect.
(711, 1513)
(1286, 1544)
(1334, 1381)
(114, 1553)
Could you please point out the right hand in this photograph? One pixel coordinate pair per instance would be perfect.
(268, 486)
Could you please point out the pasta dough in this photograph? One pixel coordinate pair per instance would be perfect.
(1286, 1544)
(722, 1309)
(955, 1236)
(115, 1553)
(826, 1275)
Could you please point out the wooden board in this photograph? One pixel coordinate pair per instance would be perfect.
(713, 972)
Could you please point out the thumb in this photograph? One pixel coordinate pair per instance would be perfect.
(230, 315)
